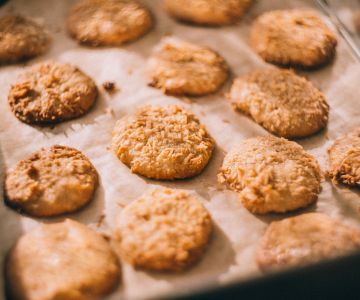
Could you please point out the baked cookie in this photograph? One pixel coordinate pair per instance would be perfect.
(344, 159)
(181, 68)
(162, 142)
(64, 260)
(108, 22)
(305, 239)
(21, 38)
(51, 182)
(282, 102)
(164, 230)
(271, 174)
(294, 37)
(49, 93)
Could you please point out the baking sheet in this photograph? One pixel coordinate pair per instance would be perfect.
(237, 232)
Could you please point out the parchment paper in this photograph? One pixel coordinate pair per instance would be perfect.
(230, 254)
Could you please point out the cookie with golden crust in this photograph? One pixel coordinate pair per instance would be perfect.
(64, 260)
(51, 182)
(164, 230)
(108, 22)
(271, 174)
(294, 37)
(181, 68)
(304, 239)
(162, 142)
(281, 101)
(49, 93)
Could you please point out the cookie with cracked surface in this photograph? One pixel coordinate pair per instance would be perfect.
(163, 230)
(271, 174)
(49, 93)
(181, 68)
(108, 22)
(51, 182)
(305, 239)
(281, 101)
(21, 38)
(64, 260)
(294, 37)
(162, 142)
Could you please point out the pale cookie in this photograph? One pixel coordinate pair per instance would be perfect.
(207, 12)
(293, 37)
(304, 239)
(108, 22)
(64, 260)
(164, 230)
(51, 182)
(21, 38)
(50, 93)
(282, 102)
(271, 174)
(162, 142)
(181, 68)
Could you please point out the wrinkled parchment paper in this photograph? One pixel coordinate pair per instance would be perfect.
(230, 255)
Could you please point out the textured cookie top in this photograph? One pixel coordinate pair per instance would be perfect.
(294, 37)
(65, 260)
(282, 102)
(51, 181)
(305, 239)
(271, 174)
(164, 230)
(181, 68)
(162, 142)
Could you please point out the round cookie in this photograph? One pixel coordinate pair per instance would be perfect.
(51, 182)
(162, 142)
(271, 174)
(49, 93)
(294, 37)
(282, 102)
(108, 22)
(164, 230)
(207, 12)
(21, 38)
(64, 260)
(305, 239)
(181, 68)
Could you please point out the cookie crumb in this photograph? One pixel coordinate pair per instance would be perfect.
(110, 87)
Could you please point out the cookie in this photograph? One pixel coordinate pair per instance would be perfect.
(108, 22)
(181, 68)
(162, 142)
(64, 260)
(344, 159)
(21, 38)
(164, 230)
(51, 182)
(207, 12)
(305, 239)
(49, 93)
(294, 37)
(271, 174)
(282, 102)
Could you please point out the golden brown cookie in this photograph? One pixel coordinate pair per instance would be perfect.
(162, 142)
(271, 174)
(181, 68)
(108, 22)
(294, 37)
(64, 260)
(164, 230)
(21, 38)
(50, 93)
(282, 102)
(51, 182)
(305, 239)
